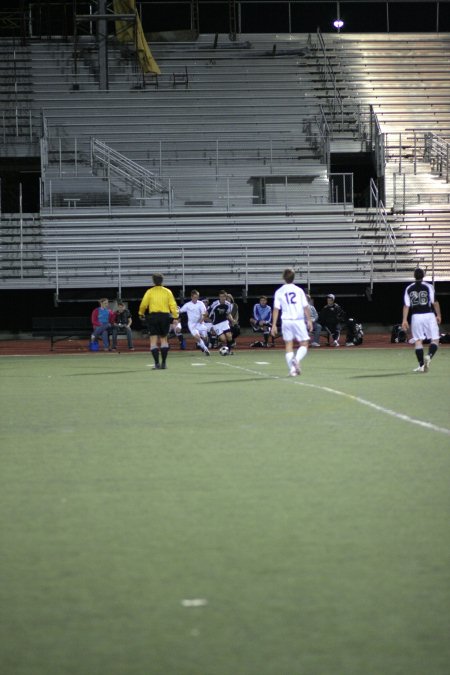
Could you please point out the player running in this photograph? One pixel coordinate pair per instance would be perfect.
(196, 314)
(291, 301)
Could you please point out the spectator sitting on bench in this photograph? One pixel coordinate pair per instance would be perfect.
(261, 321)
(102, 319)
(122, 323)
(332, 318)
(317, 328)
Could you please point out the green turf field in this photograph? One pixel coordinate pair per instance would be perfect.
(220, 518)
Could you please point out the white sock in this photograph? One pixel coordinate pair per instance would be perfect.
(289, 357)
(301, 353)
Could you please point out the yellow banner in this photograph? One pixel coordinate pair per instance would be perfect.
(125, 33)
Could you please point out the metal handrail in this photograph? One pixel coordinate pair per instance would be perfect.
(114, 162)
(437, 153)
(329, 78)
(382, 223)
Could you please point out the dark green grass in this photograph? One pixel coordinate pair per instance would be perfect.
(315, 526)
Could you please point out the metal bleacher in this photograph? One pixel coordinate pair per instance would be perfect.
(216, 178)
(405, 79)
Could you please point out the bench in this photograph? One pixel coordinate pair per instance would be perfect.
(59, 328)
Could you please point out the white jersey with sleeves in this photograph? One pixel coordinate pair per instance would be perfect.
(194, 310)
(291, 301)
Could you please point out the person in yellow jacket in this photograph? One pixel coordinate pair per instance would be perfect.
(162, 310)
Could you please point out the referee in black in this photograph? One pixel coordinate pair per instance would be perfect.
(162, 310)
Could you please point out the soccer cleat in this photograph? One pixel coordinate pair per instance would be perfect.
(349, 344)
(295, 369)
(335, 343)
(315, 344)
(206, 352)
(419, 369)
(156, 367)
(426, 363)
(163, 366)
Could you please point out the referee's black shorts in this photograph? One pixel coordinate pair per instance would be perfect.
(158, 323)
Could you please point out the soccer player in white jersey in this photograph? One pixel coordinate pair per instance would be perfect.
(290, 300)
(196, 313)
(425, 316)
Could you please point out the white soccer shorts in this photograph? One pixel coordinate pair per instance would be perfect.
(198, 329)
(222, 327)
(424, 326)
(294, 329)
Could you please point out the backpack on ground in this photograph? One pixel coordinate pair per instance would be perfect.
(398, 334)
(355, 333)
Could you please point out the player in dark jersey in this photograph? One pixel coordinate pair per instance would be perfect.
(425, 317)
(222, 320)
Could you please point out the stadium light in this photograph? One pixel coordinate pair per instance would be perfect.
(338, 23)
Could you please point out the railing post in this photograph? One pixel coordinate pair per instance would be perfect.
(404, 192)
(447, 161)
(56, 273)
(182, 273)
(119, 273)
(21, 230)
(75, 150)
(371, 266)
(415, 153)
(217, 158)
(308, 270)
(246, 270)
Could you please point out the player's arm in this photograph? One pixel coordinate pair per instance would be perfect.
(437, 309)
(275, 315)
(231, 321)
(309, 322)
(405, 324)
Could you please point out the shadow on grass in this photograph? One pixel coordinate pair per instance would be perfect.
(365, 377)
(235, 381)
(106, 372)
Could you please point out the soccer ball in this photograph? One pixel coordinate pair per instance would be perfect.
(224, 351)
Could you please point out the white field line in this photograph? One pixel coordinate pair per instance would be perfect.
(351, 397)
